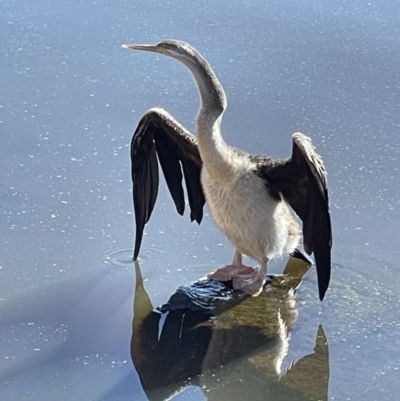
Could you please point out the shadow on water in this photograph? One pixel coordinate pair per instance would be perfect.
(232, 346)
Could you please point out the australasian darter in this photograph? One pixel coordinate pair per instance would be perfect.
(250, 197)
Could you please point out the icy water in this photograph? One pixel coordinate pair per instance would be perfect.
(78, 320)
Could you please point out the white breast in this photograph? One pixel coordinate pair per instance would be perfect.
(255, 223)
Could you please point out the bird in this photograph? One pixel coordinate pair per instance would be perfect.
(251, 197)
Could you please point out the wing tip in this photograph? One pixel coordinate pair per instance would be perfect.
(180, 208)
(323, 285)
(322, 294)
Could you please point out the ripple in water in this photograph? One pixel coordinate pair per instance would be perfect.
(120, 257)
(124, 257)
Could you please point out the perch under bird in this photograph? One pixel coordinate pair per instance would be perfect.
(250, 197)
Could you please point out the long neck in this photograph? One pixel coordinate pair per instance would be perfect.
(215, 153)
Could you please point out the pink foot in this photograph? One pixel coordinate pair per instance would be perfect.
(251, 284)
(244, 278)
(229, 272)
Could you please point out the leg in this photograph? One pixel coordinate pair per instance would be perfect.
(228, 272)
(251, 283)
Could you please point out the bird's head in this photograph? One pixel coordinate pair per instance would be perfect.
(174, 48)
(210, 89)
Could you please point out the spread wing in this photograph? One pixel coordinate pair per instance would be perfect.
(160, 135)
(301, 180)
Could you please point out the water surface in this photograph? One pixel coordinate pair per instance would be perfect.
(70, 100)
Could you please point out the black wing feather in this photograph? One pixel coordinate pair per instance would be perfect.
(195, 191)
(140, 212)
(158, 134)
(153, 181)
(169, 161)
(302, 182)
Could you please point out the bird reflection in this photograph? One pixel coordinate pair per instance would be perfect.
(232, 346)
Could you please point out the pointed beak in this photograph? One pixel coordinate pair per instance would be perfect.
(148, 48)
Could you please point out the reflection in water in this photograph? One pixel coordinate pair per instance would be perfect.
(231, 346)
